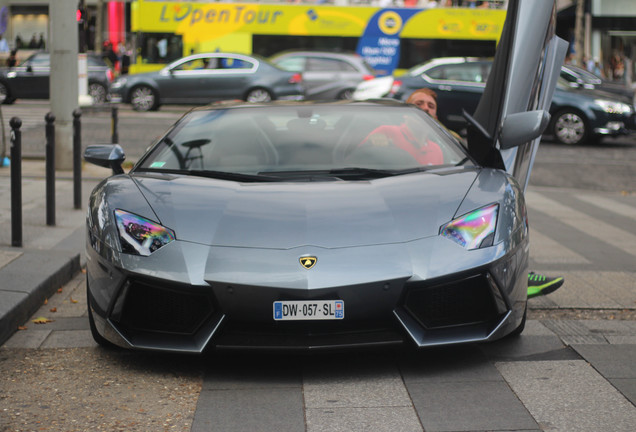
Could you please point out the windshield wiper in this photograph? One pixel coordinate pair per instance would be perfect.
(344, 173)
(221, 175)
(462, 162)
(364, 172)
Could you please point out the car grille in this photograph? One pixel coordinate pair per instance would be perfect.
(464, 302)
(313, 335)
(153, 308)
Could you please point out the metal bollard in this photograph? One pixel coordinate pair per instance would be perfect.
(50, 168)
(77, 160)
(114, 138)
(16, 182)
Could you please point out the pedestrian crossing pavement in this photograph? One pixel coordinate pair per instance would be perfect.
(588, 238)
(620, 237)
(31, 116)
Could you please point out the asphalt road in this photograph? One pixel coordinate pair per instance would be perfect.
(573, 368)
(607, 166)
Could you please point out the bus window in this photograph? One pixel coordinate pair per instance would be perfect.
(416, 51)
(160, 47)
(268, 45)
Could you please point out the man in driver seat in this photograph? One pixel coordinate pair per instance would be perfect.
(410, 136)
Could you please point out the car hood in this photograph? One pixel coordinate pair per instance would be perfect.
(330, 214)
(140, 76)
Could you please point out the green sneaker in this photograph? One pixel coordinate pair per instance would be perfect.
(539, 284)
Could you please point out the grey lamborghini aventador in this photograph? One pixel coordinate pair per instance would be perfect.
(299, 225)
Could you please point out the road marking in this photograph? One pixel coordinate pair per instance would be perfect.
(31, 116)
(545, 250)
(596, 228)
(609, 205)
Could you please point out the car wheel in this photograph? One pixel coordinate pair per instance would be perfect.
(5, 97)
(98, 92)
(346, 94)
(101, 340)
(144, 98)
(258, 95)
(569, 127)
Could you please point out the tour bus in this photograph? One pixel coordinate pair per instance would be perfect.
(390, 39)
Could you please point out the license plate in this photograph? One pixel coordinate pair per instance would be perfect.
(296, 310)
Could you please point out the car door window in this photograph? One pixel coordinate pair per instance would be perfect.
(95, 62)
(315, 64)
(293, 64)
(235, 63)
(467, 72)
(39, 60)
(195, 64)
(347, 67)
(566, 75)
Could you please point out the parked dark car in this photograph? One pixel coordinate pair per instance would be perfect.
(578, 115)
(326, 75)
(30, 79)
(208, 77)
(578, 77)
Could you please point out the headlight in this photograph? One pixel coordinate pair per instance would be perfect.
(473, 230)
(140, 236)
(613, 107)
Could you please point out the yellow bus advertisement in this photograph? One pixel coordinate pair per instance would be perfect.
(168, 30)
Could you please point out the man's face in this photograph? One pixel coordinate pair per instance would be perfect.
(426, 103)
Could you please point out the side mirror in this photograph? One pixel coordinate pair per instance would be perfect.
(107, 156)
(522, 127)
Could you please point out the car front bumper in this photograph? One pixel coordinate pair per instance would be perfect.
(417, 297)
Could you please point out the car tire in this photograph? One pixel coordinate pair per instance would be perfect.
(346, 94)
(98, 92)
(570, 127)
(258, 95)
(5, 95)
(144, 98)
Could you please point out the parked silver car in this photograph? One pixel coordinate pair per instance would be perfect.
(315, 225)
(326, 75)
(208, 77)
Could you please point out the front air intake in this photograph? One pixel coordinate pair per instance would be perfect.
(465, 302)
(152, 308)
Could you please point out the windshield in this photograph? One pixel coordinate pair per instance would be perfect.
(273, 140)
(587, 76)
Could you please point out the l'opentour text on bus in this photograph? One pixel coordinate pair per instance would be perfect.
(389, 39)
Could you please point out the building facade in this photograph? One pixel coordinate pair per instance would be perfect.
(608, 35)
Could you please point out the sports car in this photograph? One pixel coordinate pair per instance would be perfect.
(316, 225)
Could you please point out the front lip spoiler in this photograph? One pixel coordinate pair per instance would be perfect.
(468, 334)
(195, 344)
(314, 343)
